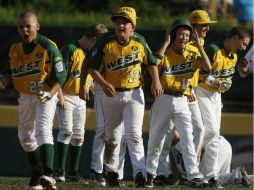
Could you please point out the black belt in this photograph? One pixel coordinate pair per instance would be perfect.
(126, 89)
(172, 93)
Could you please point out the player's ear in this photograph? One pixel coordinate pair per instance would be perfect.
(38, 27)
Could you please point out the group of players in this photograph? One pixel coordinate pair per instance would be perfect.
(187, 82)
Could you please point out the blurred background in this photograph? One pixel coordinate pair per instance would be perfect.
(66, 20)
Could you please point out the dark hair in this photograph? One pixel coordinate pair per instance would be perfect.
(240, 31)
(95, 30)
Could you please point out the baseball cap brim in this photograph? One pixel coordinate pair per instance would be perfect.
(208, 22)
(114, 17)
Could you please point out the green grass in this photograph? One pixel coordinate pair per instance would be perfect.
(20, 183)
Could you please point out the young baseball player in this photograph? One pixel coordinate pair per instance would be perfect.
(121, 55)
(37, 72)
(98, 149)
(200, 22)
(72, 109)
(176, 69)
(223, 59)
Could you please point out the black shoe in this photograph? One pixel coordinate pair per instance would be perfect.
(60, 175)
(149, 182)
(34, 184)
(162, 180)
(197, 183)
(112, 179)
(97, 178)
(214, 183)
(140, 180)
(76, 177)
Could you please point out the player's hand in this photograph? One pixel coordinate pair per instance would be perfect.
(224, 85)
(156, 89)
(84, 93)
(167, 36)
(61, 102)
(192, 97)
(43, 96)
(109, 89)
(196, 39)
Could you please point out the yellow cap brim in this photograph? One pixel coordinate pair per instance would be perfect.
(208, 22)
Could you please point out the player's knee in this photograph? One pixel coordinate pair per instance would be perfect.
(77, 141)
(110, 145)
(28, 146)
(64, 137)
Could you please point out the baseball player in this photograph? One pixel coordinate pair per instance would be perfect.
(176, 69)
(223, 59)
(245, 66)
(37, 72)
(97, 167)
(200, 21)
(72, 109)
(121, 55)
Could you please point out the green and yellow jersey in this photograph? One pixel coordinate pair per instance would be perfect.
(120, 63)
(36, 66)
(177, 70)
(223, 65)
(73, 56)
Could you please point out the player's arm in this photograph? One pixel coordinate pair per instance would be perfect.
(160, 53)
(107, 87)
(83, 76)
(206, 65)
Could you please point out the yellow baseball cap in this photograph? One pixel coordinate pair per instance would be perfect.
(200, 17)
(126, 12)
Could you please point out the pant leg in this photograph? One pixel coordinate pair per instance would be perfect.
(160, 116)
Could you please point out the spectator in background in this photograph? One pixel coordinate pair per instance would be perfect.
(244, 11)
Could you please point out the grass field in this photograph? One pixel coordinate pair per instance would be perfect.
(20, 183)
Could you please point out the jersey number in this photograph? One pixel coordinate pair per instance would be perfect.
(133, 77)
(35, 86)
(185, 84)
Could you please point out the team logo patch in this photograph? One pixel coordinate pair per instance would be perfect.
(189, 57)
(94, 52)
(59, 66)
(134, 48)
(57, 59)
(39, 55)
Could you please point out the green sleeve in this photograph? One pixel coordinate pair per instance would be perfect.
(58, 68)
(94, 56)
(67, 52)
(151, 60)
(210, 51)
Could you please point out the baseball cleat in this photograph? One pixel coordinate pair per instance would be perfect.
(112, 179)
(140, 180)
(97, 178)
(197, 183)
(149, 181)
(48, 182)
(60, 175)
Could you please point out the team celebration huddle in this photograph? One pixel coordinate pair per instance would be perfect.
(187, 78)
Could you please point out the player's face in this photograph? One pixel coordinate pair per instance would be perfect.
(202, 30)
(124, 29)
(28, 28)
(182, 38)
(239, 44)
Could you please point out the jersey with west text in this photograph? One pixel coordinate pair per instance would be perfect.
(223, 65)
(177, 70)
(120, 63)
(73, 56)
(36, 66)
